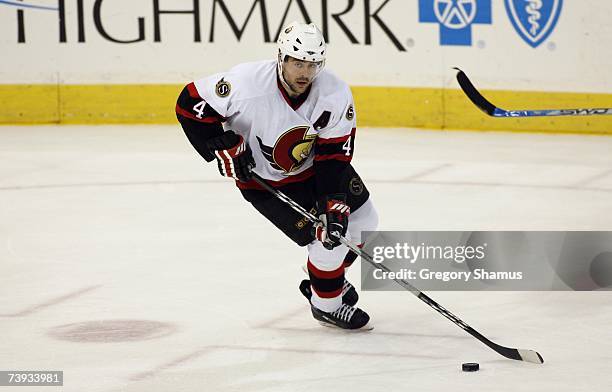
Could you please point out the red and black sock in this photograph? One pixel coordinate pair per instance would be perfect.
(327, 284)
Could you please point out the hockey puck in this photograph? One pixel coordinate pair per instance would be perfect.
(470, 367)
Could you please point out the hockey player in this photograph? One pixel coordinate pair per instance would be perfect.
(293, 123)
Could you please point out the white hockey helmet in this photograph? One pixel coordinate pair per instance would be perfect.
(303, 42)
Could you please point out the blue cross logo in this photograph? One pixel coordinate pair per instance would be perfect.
(455, 18)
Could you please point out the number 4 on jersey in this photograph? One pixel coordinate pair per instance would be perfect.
(347, 146)
(199, 109)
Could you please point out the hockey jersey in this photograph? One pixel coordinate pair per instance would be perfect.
(286, 137)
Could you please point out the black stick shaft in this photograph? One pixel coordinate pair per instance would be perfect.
(505, 351)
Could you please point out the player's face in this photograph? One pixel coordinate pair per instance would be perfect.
(299, 74)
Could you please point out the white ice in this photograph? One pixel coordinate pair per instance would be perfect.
(129, 264)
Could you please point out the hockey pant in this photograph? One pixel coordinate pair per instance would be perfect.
(326, 267)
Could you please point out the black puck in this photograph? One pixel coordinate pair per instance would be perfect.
(470, 367)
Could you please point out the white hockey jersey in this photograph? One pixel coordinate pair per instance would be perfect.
(285, 138)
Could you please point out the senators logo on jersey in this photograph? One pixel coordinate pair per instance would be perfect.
(350, 113)
(223, 88)
(291, 150)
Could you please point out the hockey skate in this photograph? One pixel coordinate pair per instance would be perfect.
(345, 317)
(349, 293)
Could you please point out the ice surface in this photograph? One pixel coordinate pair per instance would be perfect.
(131, 265)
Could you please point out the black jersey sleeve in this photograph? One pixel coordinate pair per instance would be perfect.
(198, 119)
(331, 160)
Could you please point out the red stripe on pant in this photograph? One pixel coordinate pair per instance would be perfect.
(327, 284)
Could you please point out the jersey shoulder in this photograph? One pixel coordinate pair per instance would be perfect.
(253, 79)
(335, 103)
(330, 87)
(223, 91)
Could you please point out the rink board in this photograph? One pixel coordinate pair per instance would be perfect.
(93, 62)
(376, 107)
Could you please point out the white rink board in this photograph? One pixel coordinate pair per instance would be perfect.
(576, 57)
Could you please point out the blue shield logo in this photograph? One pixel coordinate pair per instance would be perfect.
(534, 20)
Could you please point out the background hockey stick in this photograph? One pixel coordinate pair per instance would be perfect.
(511, 353)
(483, 104)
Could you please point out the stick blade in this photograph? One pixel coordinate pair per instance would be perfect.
(530, 356)
(473, 94)
(516, 353)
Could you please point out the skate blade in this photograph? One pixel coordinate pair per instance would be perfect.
(365, 328)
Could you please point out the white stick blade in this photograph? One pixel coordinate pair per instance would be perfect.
(530, 356)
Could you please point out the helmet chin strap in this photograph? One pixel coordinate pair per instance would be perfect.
(281, 76)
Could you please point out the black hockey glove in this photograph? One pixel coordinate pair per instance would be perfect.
(334, 214)
(234, 157)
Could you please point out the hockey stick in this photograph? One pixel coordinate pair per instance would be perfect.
(511, 353)
(483, 104)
